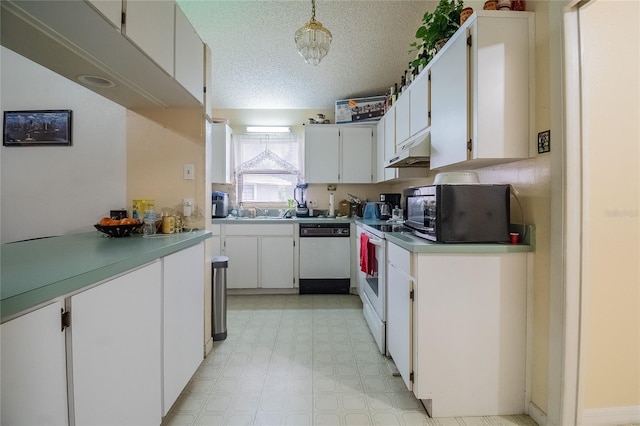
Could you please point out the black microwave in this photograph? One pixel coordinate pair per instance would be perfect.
(459, 213)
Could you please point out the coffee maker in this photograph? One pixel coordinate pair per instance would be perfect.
(301, 204)
(388, 203)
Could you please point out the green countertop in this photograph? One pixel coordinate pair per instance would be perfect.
(277, 220)
(36, 271)
(418, 245)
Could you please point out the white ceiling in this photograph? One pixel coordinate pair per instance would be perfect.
(256, 65)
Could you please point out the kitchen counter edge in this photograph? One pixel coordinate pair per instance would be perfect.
(418, 245)
(254, 221)
(87, 264)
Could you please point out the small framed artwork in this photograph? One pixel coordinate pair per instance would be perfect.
(37, 128)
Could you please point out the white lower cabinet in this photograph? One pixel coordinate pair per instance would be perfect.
(132, 345)
(467, 330)
(182, 320)
(260, 256)
(276, 262)
(33, 369)
(242, 252)
(116, 350)
(400, 311)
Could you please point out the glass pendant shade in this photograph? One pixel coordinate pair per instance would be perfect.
(313, 40)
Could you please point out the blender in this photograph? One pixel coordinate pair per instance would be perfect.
(301, 204)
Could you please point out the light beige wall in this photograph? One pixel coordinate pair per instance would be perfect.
(611, 198)
(159, 143)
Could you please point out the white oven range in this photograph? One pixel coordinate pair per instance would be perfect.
(373, 287)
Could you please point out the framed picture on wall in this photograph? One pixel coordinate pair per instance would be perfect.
(37, 128)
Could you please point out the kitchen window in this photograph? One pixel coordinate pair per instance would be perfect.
(269, 165)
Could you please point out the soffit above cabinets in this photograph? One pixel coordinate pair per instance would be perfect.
(71, 38)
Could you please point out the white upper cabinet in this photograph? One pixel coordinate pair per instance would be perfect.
(339, 154)
(219, 137)
(402, 117)
(387, 149)
(419, 103)
(112, 10)
(358, 154)
(380, 170)
(481, 100)
(449, 100)
(322, 153)
(208, 82)
(150, 25)
(138, 56)
(189, 59)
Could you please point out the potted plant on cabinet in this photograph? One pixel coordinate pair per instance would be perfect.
(436, 29)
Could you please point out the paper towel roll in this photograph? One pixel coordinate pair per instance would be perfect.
(331, 206)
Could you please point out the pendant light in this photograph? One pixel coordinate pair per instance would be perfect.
(312, 39)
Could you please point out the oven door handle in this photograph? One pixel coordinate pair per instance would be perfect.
(376, 241)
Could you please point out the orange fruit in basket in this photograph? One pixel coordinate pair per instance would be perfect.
(115, 222)
(128, 221)
(105, 221)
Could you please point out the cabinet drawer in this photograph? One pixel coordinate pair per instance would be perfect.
(400, 258)
(251, 229)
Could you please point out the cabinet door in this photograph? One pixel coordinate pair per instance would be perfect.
(220, 140)
(419, 103)
(449, 104)
(276, 262)
(322, 154)
(357, 154)
(33, 370)
(380, 151)
(400, 320)
(182, 321)
(390, 142)
(116, 329)
(481, 301)
(402, 117)
(112, 10)
(500, 84)
(150, 25)
(242, 252)
(208, 82)
(189, 59)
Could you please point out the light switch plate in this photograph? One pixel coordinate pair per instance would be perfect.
(189, 171)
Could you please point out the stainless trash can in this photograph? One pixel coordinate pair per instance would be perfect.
(219, 265)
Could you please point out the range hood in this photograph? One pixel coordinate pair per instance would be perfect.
(415, 152)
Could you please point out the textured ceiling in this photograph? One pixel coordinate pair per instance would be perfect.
(256, 65)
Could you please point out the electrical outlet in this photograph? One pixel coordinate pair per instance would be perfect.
(544, 141)
(189, 171)
(331, 187)
(187, 206)
(313, 203)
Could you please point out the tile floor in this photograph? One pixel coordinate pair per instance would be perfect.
(301, 360)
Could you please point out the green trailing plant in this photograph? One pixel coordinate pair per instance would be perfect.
(437, 26)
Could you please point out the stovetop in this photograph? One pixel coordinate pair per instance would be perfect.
(386, 227)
